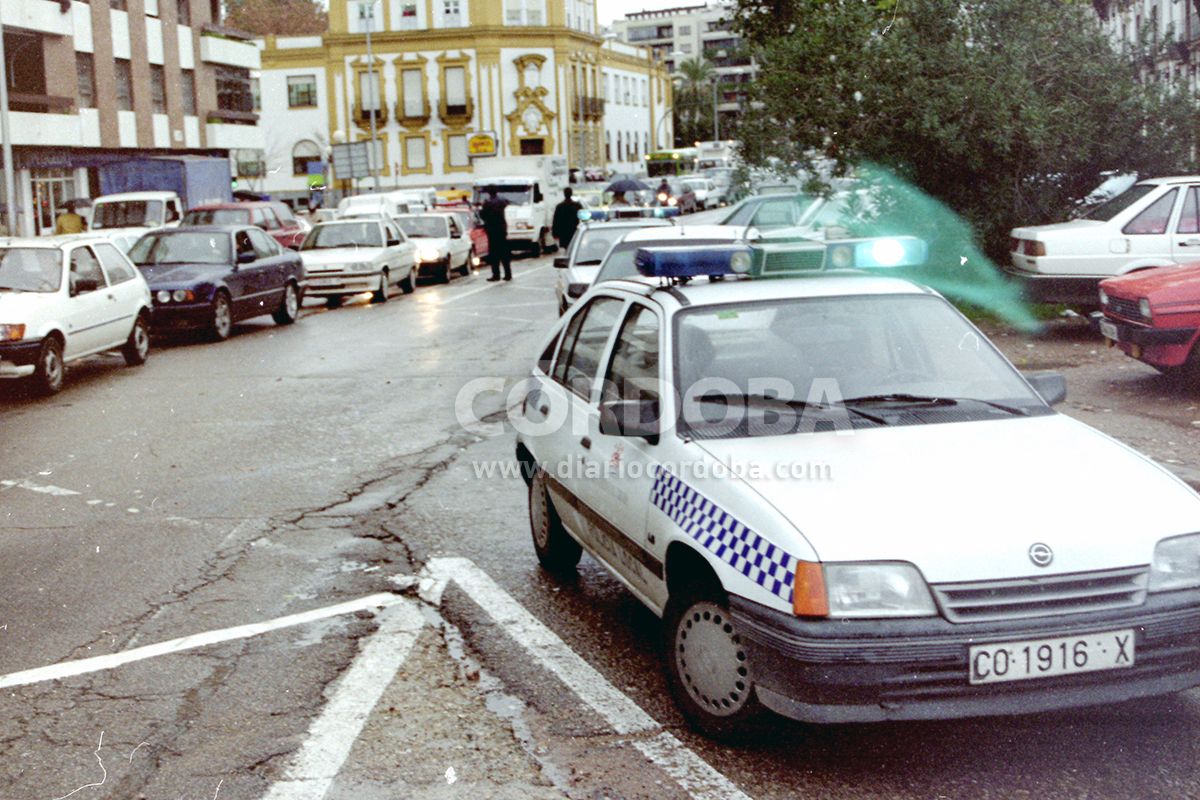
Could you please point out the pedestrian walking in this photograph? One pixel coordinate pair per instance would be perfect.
(566, 219)
(496, 228)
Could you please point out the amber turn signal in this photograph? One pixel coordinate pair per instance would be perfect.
(809, 598)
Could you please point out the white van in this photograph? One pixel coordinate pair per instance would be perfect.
(533, 186)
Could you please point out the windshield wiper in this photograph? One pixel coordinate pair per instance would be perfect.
(904, 397)
(798, 405)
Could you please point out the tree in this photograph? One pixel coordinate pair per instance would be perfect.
(693, 107)
(278, 17)
(1005, 110)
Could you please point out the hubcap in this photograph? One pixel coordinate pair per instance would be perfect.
(293, 304)
(711, 660)
(52, 366)
(141, 339)
(538, 511)
(221, 319)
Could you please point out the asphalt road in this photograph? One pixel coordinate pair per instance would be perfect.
(294, 468)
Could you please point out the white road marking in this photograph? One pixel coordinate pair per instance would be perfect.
(83, 666)
(693, 773)
(40, 488)
(429, 300)
(312, 770)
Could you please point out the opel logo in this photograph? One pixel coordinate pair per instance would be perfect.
(1041, 554)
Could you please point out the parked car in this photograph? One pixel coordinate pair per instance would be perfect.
(577, 269)
(1153, 223)
(346, 257)
(209, 277)
(1153, 315)
(470, 222)
(265, 215)
(442, 245)
(61, 301)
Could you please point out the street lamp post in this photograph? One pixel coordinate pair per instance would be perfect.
(10, 191)
(366, 12)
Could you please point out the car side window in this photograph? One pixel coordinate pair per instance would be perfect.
(633, 369)
(85, 267)
(264, 246)
(454, 229)
(1189, 219)
(271, 223)
(579, 358)
(775, 213)
(115, 265)
(172, 212)
(1155, 218)
(742, 215)
(243, 243)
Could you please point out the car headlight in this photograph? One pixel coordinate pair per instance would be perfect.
(1144, 307)
(358, 266)
(1103, 297)
(671, 201)
(163, 296)
(182, 296)
(430, 255)
(12, 333)
(861, 590)
(1176, 564)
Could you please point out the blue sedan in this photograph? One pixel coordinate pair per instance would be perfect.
(209, 277)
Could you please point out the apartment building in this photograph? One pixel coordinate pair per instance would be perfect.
(700, 32)
(535, 73)
(1171, 27)
(94, 82)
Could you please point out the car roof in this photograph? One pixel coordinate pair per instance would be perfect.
(730, 233)
(1172, 179)
(231, 205)
(627, 222)
(202, 229)
(744, 290)
(356, 219)
(157, 195)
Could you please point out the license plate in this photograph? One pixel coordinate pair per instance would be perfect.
(1108, 330)
(1045, 658)
(325, 282)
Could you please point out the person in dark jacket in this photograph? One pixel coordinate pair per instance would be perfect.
(496, 228)
(566, 219)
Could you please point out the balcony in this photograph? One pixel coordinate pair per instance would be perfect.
(589, 107)
(363, 116)
(222, 46)
(43, 16)
(234, 137)
(55, 130)
(456, 115)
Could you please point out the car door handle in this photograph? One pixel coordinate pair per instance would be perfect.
(1190, 243)
(586, 442)
(112, 297)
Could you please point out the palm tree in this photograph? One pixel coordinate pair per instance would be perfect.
(693, 113)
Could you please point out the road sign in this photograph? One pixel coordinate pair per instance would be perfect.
(351, 160)
(482, 144)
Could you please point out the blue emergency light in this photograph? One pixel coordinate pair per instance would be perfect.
(692, 262)
(878, 252)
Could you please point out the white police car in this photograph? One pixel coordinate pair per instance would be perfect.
(847, 505)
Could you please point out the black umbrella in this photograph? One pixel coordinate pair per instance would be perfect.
(626, 185)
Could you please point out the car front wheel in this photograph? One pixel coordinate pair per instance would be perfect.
(707, 668)
(49, 374)
(381, 294)
(222, 317)
(289, 308)
(137, 347)
(556, 551)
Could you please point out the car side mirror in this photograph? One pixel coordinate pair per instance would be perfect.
(630, 418)
(456, 235)
(560, 262)
(393, 242)
(1052, 386)
(246, 257)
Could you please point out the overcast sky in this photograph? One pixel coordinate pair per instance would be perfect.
(615, 9)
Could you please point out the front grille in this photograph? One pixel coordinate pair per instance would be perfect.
(784, 261)
(1021, 598)
(1124, 308)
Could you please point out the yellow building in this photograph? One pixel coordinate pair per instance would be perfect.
(533, 72)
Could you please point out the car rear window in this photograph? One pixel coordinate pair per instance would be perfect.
(217, 216)
(1105, 212)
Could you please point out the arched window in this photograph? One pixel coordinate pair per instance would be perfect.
(304, 152)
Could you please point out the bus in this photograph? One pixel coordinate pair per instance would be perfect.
(680, 161)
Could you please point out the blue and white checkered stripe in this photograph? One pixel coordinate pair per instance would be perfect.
(720, 533)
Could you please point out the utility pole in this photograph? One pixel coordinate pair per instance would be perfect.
(366, 12)
(10, 191)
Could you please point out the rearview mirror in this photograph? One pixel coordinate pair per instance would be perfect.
(560, 262)
(1052, 386)
(631, 418)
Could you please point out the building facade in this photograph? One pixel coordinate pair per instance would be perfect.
(1168, 28)
(533, 72)
(94, 82)
(702, 32)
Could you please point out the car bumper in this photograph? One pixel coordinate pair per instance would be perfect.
(341, 283)
(877, 670)
(1043, 288)
(181, 316)
(1162, 347)
(18, 359)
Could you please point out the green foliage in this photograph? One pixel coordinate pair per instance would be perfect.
(693, 101)
(1005, 110)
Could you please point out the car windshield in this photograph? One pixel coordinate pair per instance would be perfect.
(330, 235)
(424, 227)
(181, 247)
(217, 216)
(619, 262)
(30, 269)
(517, 195)
(594, 244)
(127, 214)
(875, 359)
(695, 185)
(1106, 211)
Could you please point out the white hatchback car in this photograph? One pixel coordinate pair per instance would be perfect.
(443, 247)
(1153, 223)
(63, 300)
(847, 505)
(584, 255)
(349, 256)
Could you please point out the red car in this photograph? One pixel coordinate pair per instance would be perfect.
(469, 221)
(1153, 315)
(274, 218)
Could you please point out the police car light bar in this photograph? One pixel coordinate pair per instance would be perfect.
(692, 262)
(879, 252)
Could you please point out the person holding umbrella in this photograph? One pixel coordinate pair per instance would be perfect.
(496, 228)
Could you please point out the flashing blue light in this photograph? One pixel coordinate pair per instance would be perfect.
(583, 214)
(879, 252)
(692, 262)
